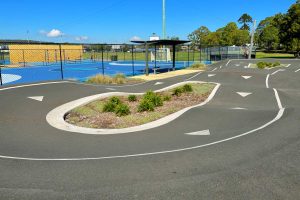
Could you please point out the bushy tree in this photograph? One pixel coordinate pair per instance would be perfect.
(197, 37)
(245, 19)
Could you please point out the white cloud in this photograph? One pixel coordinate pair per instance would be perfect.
(54, 33)
(81, 38)
(135, 38)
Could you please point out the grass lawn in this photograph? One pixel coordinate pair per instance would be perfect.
(93, 116)
(261, 55)
(140, 56)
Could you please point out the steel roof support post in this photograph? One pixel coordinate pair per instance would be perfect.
(146, 58)
(174, 56)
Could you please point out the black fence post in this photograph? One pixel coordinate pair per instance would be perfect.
(1, 75)
(102, 59)
(132, 59)
(23, 58)
(188, 55)
(61, 64)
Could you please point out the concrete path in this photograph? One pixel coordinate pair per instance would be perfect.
(244, 144)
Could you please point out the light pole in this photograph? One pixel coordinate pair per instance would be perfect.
(252, 39)
(164, 19)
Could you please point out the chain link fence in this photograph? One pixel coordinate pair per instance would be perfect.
(27, 63)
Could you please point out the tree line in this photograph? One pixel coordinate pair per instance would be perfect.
(278, 32)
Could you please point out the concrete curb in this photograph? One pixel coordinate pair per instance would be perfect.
(56, 117)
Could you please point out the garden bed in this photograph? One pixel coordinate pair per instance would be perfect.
(129, 111)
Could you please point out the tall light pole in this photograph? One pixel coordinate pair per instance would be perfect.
(252, 39)
(164, 19)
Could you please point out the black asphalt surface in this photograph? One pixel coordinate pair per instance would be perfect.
(264, 164)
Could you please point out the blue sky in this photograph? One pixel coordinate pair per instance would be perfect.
(116, 21)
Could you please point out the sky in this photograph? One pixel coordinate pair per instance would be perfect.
(119, 21)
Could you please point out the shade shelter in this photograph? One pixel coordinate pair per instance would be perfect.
(172, 43)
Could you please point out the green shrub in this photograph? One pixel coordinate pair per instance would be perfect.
(122, 110)
(115, 100)
(109, 107)
(187, 88)
(177, 91)
(145, 105)
(276, 64)
(132, 98)
(167, 98)
(261, 65)
(153, 98)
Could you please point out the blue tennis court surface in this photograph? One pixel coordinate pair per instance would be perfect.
(81, 71)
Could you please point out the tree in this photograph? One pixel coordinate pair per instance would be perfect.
(197, 37)
(290, 29)
(244, 20)
(268, 33)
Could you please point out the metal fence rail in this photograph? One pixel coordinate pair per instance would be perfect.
(23, 63)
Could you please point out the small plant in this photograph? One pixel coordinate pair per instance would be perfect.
(132, 98)
(111, 105)
(153, 98)
(276, 64)
(261, 65)
(120, 76)
(187, 88)
(115, 100)
(167, 98)
(146, 105)
(122, 110)
(177, 91)
(199, 66)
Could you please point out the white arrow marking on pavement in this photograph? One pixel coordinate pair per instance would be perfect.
(211, 75)
(247, 77)
(239, 108)
(37, 98)
(111, 89)
(244, 94)
(205, 132)
(159, 83)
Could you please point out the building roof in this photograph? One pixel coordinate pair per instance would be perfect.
(162, 42)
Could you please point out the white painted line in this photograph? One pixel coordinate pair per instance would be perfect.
(247, 77)
(249, 65)
(278, 99)
(221, 66)
(211, 75)
(194, 76)
(8, 78)
(277, 117)
(237, 65)
(288, 65)
(205, 132)
(280, 70)
(297, 70)
(244, 94)
(56, 117)
(37, 98)
(159, 83)
(239, 108)
(214, 69)
(112, 89)
(29, 85)
(267, 80)
(112, 86)
(228, 63)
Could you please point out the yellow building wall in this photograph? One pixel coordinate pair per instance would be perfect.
(29, 53)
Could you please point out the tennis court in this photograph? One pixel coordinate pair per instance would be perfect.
(82, 70)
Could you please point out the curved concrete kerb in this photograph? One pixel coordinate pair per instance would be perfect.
(56, 117)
